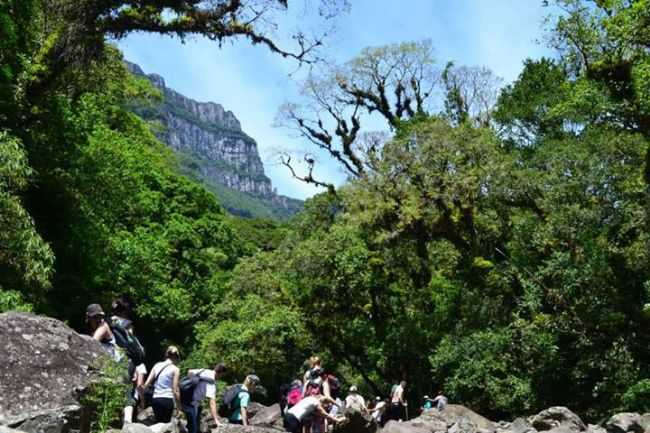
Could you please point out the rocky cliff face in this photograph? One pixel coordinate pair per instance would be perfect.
(216, 151)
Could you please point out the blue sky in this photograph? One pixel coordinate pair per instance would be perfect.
(253, 83)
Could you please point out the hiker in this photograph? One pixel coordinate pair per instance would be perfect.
(240, 413)
(164, 377)
(356, 399)
(309, 407)
(428, 404)
(379, 410)
(291, 394)
(203, 385)
(440, 401)
(313, 380)
(398, 404)
(122, 328)
(100, 330)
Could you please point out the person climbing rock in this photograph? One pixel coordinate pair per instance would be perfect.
(100, 330)
(204, 387)
(128, 344)
(440, 401)
(306, 409)
(164, 377)
(240, 414)
(378, 412)
(398, 404)
(354, 399)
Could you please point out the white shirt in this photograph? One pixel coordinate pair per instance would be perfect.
(305, 408)
(163, 386)
(379, 410)
(207, 388)
(397, 395)
(355, 398)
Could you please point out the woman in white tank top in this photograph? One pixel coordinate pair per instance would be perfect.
(164, 377)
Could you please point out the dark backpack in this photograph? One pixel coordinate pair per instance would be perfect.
(229, 401)
(127, 341)
(187, 385)
(335, 385)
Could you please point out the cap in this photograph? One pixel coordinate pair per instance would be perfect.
(353, 388)
(94, 310)
(426, 397)
(378, 398)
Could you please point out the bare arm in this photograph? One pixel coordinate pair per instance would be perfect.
(213, 412)
(244, 416)
(321, 410)
(175, 388)
(149, 380)
(102, 332)
(139, 381)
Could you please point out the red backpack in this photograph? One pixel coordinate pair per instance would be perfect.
(294, 396)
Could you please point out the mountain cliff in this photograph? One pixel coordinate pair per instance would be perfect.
(214, 150)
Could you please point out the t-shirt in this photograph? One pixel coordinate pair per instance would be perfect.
(355, 399)
(206, 388)
(397, 394)
(140, 369)
(242, 401)
(379, 410)
(305, 408)
(163, 386)
(441, 402)
(428, 404)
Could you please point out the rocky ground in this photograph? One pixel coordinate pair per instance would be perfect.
(46, 366)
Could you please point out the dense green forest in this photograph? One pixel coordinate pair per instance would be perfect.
(498, 248)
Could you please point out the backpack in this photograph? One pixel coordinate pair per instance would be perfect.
(127, 341)
(294, 396)
(229, 402)
(187, 385)
(312, 388)
(335, 385)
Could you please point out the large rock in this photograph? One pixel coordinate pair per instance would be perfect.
(44, 368)
(628, 423)
(403, 427)
(146, 416)
(558, 416)
(454, 413)
(269, 416)
(431, 421)
(233, 428)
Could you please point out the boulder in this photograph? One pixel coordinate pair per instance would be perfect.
(269, 416)
(253, 408)
(592, 428)
(233, 428)
(628, 423)
(4, 429)
(430, 420)
(146, 416)
(521, 425)
(463, 425)
(453, 413)
(403, 427)
(44, 369)
(135, 427)
(557, 416)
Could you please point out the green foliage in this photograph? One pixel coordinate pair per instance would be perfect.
(105, 397)
(637, 397)
(252, 334)
(25, 259)
(10, 300)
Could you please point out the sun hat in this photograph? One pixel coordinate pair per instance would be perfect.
(353, 388)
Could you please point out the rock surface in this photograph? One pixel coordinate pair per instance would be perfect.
(44, 368)
(555, 417)
(220, 152)
(628, 423)
(268, 416)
